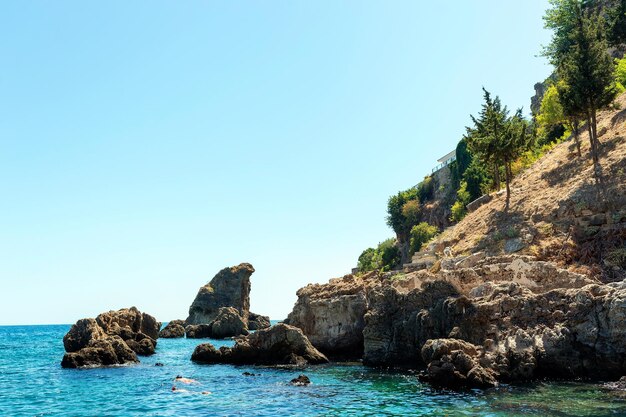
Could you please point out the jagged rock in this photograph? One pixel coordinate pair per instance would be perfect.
(332, 315)
(81, 333)
(229, 288)
(300, 381)
(258, 322)
(278, 345)
(454, 363)
(174, 329)
(228, 323)
(128, 322)
(114, 337)
(198, 331)
(105, 351)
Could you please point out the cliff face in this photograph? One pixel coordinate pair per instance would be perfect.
(332, 315)
(229, 288)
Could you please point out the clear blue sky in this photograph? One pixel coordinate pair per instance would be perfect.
(146, 145)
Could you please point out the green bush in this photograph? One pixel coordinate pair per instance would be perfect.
(395, 218)
(426, 189)
(420, 234)
(384, 258)
(412, 212)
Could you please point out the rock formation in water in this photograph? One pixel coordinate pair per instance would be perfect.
(278, 345)
(475, 322)
(257, 321)
(112, 338)
(227, 323)
(229, 288)
(174, 329)
(332, 315)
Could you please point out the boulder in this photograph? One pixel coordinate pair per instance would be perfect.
(112, 338)
(198, 331)
(228, 323)
(174, 329)
(109, 350)
(332, 315)
(454, 363)
(229, 288)
(258, 322)
(278, 345)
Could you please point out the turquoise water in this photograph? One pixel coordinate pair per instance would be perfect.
(32, 383)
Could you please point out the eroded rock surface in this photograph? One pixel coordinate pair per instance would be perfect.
(258, 322)
(332, 315)
(174, 329)
(229, 288)
(112, 338)
(228, 323)
(278, 345)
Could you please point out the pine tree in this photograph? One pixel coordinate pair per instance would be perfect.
(579, 51)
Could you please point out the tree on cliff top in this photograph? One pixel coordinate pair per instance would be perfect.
(579, 51)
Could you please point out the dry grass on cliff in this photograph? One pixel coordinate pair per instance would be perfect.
(556, 208)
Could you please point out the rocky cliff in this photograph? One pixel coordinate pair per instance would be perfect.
(332, 314)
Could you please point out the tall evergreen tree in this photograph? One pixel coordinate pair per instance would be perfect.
(579, 51)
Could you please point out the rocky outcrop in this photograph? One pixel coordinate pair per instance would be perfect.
(174, 329)
(229, 288)
(227, 323)
(332, 315)
(564, 333)
(112, 338)
(453, 363)
(198, 331)
(258, 322)
(278, 345)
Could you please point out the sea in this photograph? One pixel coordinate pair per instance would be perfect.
(32, 383)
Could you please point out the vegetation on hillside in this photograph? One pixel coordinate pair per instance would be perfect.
(499, 145)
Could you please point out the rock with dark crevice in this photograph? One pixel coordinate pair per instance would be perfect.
(173, 329)
(278, 345)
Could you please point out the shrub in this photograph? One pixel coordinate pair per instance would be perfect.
(395, 218)
(412, 211)
(426, 189)
(420, 234)
(384, 258)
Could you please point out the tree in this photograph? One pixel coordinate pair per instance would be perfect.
(616, 23)
(579, 51)
(395, 217)
(484, 137)
(498, 139)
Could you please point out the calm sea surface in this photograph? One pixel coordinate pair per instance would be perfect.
(32, 383)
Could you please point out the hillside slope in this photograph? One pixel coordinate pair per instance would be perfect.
(557, 212)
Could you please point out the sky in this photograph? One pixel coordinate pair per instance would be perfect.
(146, 145)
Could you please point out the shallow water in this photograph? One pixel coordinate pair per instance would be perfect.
(32, 383)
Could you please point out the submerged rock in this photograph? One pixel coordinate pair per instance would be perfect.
(278, 345)
(300, 381)
(174, 329)
(112, 338)
(258, 322)
(229, 288)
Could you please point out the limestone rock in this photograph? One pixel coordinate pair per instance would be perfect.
(454, 363)
(258, 322)
(332, 315)
(112, 338)
(228, 323)
(278, 345)
(229, 288)
(198, 331)
(109, 350)
(174, 329)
